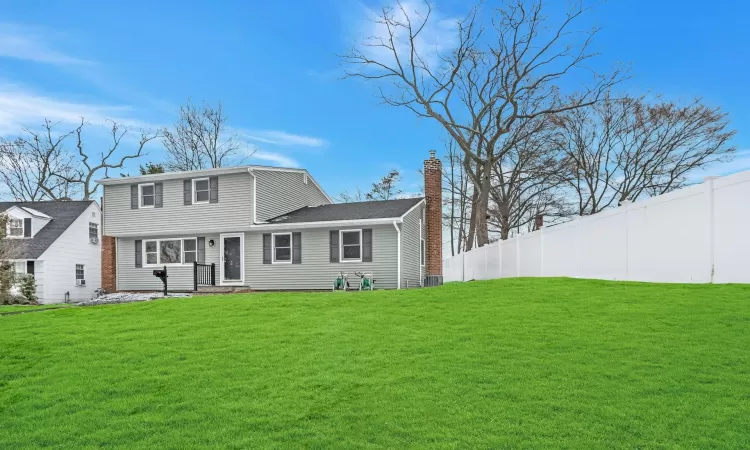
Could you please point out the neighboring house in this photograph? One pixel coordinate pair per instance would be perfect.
(57, 242)
(260, 228)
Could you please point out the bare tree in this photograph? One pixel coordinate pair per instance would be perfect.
(499, 73)
(30, 164)
(622, 149)
(457, 197)
(39, 166)
(201, 139)
(527, 180)
(357, 196)
(387, 187)
(151, 168)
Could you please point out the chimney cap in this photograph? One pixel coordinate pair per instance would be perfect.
(432, 154)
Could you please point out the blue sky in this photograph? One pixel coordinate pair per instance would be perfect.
(274, 67)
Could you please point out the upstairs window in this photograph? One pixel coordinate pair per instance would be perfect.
(93, 233)
(351, 245)
(15, 227)
(201, 190)
(147, 195)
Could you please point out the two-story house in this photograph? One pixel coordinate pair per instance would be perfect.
(59, 243)
(261, 228)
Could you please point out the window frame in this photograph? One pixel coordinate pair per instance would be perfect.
(11, 219)
(83, 272)
(341, 246)
(273, 248)
(195, 190)
(144, 253)
(94, 239)
(184, 260)
(140, 195)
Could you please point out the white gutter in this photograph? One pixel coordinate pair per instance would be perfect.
(398, 234)
(259, 227)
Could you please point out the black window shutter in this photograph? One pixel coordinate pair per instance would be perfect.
(187, 190)
(27, 227)
(334, 246)
(138, 257)
(30, 267)
(133, 196)
(213, 186)
(296, 248)
(267, 248)
(367, 245)
(158, 190)
(201, 250)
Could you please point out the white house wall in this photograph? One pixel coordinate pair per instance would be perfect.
(58, 262)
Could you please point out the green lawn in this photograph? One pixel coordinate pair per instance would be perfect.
(511, 363)
(26, 308)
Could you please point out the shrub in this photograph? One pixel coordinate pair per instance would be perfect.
(27, 285)
(7, 278)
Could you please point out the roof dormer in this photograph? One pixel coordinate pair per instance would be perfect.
(25, 222)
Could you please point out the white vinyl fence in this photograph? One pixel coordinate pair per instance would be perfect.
(698, 234)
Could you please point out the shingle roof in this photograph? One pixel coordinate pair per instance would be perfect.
(63, 214)
(384, 209)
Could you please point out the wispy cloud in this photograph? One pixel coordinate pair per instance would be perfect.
(31, 43)
(274, 158)
(437, 36)
(275, 137)
(20, 107)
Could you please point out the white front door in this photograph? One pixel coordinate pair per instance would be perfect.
(232, 259)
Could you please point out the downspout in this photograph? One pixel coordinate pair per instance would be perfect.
(398, 238)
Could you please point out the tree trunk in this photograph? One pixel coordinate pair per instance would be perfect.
(472, 220)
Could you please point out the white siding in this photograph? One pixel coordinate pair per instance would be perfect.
(234, 209)
(316, 272)
(410, 249)
(179, 277)
(283, 192)
(58, 268)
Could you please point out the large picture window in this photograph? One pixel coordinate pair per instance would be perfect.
(147, 195)
(161, 252)
(200, 190)
(351, 245)
(282, 248)
(170, 252)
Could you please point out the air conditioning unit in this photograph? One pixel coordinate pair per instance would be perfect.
(80, 282)
(94, 240)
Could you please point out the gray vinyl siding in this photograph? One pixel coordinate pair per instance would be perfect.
(410, 249)
(180, 278)
(234, 209)
(316, 272)
(283, 192)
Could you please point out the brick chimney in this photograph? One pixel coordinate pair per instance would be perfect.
(109, 258)
(433, 192)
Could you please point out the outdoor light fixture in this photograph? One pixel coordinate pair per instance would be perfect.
(210, 242)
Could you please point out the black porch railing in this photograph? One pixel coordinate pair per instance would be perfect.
(203, 275)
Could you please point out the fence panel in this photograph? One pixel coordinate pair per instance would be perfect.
(693, 235)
